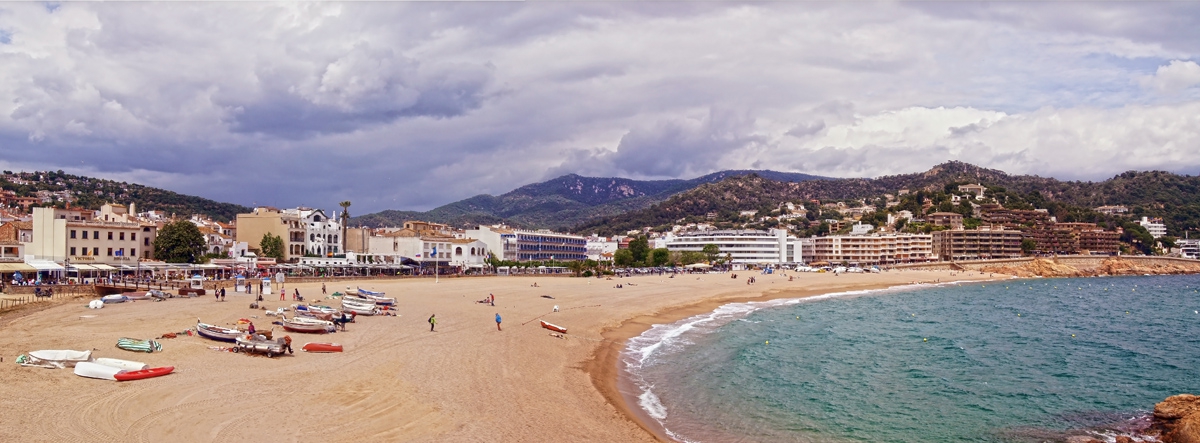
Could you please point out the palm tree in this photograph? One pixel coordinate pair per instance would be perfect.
(345, 219)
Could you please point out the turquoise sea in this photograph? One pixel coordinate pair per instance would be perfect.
(1009, 361)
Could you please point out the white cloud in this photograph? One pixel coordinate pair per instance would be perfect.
(1174, 77)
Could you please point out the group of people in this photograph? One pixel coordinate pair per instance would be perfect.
(219, 293)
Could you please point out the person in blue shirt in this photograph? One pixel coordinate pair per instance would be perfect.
(498, 322)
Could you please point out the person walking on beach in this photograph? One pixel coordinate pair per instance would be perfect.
(296, 295)
(323, 289)
(498, 322)
(282, 294)
(492, 300)
(222, 294)
(432, 322)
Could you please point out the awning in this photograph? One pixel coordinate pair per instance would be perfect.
(83, 267)
(103, 267)
(16, 267)
(45, 265)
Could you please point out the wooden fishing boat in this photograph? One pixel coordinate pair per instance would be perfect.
(376, 297)
(213, 332)
(300, 324)
(114, 298)
(96, 370)
(305, 312)
(144, 373)
(360, 310)
(553, 327)
(322, 347)
(141, 295)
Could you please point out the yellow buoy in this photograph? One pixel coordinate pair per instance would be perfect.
(1072, 335)
(926, 339)
(767, 342)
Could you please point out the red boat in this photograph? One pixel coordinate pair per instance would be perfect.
(144, 373)
(554, 328)
(322, 347)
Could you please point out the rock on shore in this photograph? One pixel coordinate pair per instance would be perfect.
(1111, 266)
(1178, 418)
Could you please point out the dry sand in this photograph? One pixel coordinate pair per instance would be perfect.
(396, 381)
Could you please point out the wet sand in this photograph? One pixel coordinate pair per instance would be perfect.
(397, 381)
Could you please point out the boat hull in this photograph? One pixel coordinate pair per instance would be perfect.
(554, 327)
(144, 373)
(217, 333)
(322, 347)
(96, 370)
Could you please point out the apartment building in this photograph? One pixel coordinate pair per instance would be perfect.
(1154, 225)
(253, 226)
(525, 245)
(1013, 218)
(63, 236)
(979, 244)
(865, 250)
(322, 234)
(950, 220)
(749, 246)
(1093, 239)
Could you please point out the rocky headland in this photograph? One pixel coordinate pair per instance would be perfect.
(1110, 266)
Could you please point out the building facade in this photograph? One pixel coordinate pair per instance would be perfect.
(865, 250)
(979, 244)
(742, 246)
(65, 238)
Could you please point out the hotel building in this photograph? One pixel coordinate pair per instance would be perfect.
(742, 246)
(865, 250)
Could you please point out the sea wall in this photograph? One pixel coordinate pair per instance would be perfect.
(1069, 266)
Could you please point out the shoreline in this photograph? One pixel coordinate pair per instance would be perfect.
(607, 371)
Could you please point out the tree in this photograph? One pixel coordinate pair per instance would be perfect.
(271, 246)
(1028, 245)
(640, 247)
(179, 242)
(576, 266)
(623, 257)
(660, 256)
(690, 257)
(345, 219)
(710, 251)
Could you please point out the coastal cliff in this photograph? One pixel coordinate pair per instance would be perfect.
(1110, 266)
(1178, 419)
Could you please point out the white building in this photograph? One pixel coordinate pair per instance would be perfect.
(861, 229)
(597, 247)
(1155, 225)
(1188, 248)
(526, 245)
(742, 246)
(322, 234)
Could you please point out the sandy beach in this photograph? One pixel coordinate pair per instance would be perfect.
(397, 381)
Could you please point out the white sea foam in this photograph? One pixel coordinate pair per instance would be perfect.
(660, 339)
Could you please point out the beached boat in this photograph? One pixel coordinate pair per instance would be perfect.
(144, 373)
(553, 327)
(377, 297)
(138, 345)
(307, 325)
(142, 295)
(256, 345)
(124, 365)
(360, 309)
(96, 370)
(114, 298)
(54, 358)
(313, 313)
(322, 347)
(213, 332)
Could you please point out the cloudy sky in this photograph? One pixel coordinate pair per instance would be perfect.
(397, 105)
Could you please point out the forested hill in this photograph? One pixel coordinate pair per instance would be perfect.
(561, 202)
(1155, 193)
(91, 193)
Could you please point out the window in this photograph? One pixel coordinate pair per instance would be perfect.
(110, 235)
(72, 235)
(145, 242)
(133, 252)
(96, 235)
(133, 236)
(121, 252)
(85, 235)
(110, 252)
(122, 236)
(72, 248)
(95, 251)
